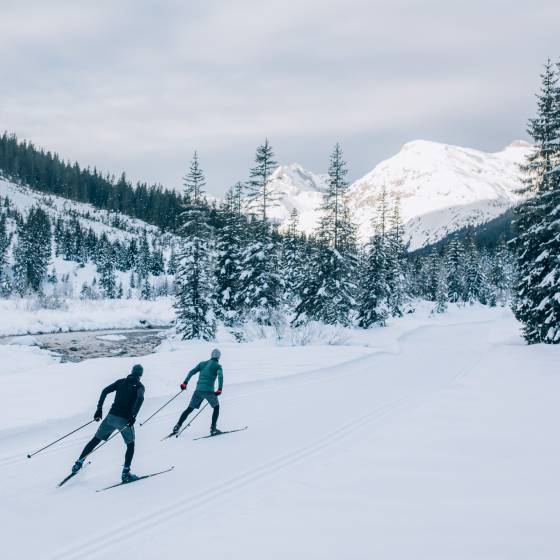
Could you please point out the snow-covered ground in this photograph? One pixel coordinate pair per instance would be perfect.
(430, 439)
(25, 316)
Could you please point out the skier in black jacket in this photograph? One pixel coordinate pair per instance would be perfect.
(122, 415)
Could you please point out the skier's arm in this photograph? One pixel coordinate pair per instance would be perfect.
(193, 371)
(220, 378)
(138, 402)
(109, 389)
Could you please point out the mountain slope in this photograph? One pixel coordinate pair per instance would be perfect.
(441, 187)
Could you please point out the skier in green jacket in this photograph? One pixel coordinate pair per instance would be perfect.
(208, 371)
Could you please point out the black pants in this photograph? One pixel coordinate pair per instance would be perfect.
(215, 414)
(91, 445)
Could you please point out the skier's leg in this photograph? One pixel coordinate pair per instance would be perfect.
(182, 418)
(215, 414)
(90, 446)
(128, 455)
(128, 437)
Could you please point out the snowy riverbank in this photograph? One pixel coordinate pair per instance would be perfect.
(23, 316)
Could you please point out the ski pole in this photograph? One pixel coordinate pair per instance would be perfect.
(193, 419)
(161, 408)
(29, 455)
(107, 440)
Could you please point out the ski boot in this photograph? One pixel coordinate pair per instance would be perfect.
(176, 429)
(127, 476)
(77, 466)
(214, 431)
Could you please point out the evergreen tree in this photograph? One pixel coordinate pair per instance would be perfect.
(33, 251)
(441, 297)
(172, 263)
(106, 270)
(374, 290)
(292, 258)
(5, 240)
(143, 258)
(193, 279)
(474, 280)
(228, 260)
(454, 257)
(396, 258)
(537, 300)
(259, 193)
(501, 273)
(146, 291)
(329, 292)
(260, 284)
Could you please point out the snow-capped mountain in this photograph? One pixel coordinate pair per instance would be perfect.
(442, 188)
(300, 189)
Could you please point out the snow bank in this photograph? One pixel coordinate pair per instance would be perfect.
(21, 316)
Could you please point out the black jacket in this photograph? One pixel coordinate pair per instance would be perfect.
(128, 399)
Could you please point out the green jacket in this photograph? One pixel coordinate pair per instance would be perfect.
(208, 372)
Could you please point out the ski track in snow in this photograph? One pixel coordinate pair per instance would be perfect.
(296, 423)
(212, 495)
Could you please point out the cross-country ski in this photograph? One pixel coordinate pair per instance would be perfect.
(135, 479)
(71, 475)
(221, 433)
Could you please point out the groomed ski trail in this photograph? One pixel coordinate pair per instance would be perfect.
(211, 495)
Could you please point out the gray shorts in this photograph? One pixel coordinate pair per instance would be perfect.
(199, 396)
(112, 423)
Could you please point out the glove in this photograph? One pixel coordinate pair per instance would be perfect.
(218, 392)
(98, 415)
(131, 420)
(183, 386)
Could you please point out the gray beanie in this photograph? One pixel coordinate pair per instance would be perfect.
(215, 354)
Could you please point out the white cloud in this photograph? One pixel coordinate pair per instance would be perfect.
(138, 85)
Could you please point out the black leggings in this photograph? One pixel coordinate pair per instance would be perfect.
(95, 441)
(215, 414)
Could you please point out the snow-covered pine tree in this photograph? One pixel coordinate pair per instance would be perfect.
(228, 259)
(374, 290)
(33, 251)
(501, 273)
(431, 274)
(454, 257)
(106, 270)
(537, 292)
(194, 283)
(260, 283)
(373, 286)
(329, 291)
(292, 258)
(5, 240)
(146, 291)
(442, 296)
(172, 262)
(475, 286)
(143, 258)
(396, 260)
(260, 196)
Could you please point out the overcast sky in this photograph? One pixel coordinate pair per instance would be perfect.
(138, 85)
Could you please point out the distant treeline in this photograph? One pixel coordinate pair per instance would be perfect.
(48, 173)
(487, 236)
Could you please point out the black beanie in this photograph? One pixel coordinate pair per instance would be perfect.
(137, 370)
